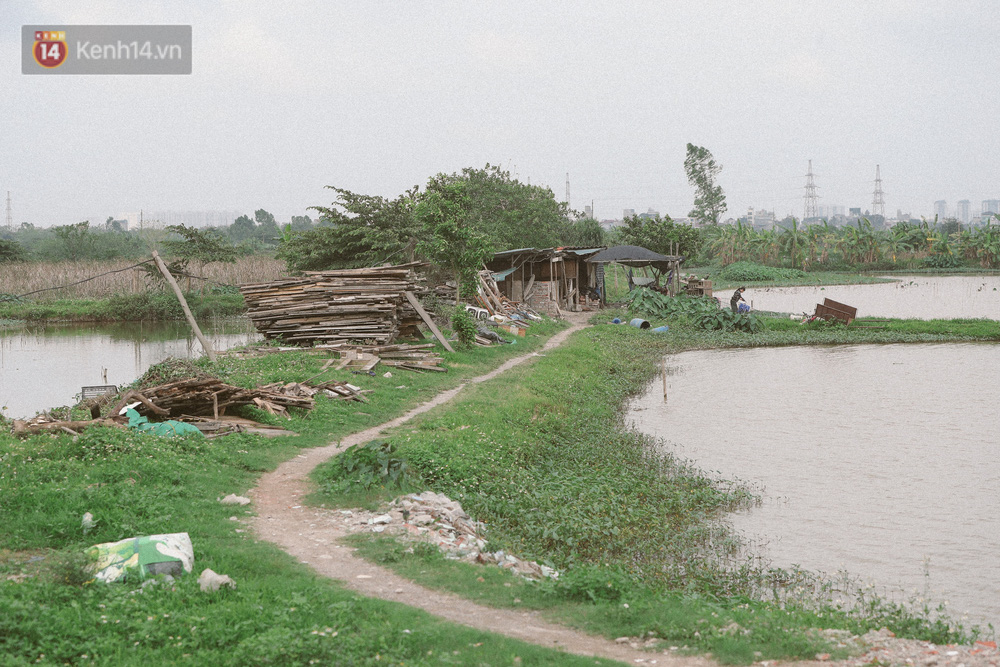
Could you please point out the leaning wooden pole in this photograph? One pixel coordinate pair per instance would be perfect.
(205, 344)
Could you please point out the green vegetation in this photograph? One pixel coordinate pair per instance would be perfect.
(147, 306)
(280, 613)
(540, 455)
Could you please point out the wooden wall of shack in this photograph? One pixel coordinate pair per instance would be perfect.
(547, 280)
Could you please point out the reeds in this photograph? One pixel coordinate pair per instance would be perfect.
(109, 278)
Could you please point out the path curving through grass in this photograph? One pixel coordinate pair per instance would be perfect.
(313, 536)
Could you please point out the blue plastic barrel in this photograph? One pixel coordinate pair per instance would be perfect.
(639, 323)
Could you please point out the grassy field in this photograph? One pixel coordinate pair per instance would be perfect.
(539, 453)
(133, 484)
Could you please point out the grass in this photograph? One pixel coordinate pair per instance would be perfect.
(280, 613)
(540, 455)
(149, 305)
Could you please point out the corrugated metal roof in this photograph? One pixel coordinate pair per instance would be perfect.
(583, 251)
(514, 252)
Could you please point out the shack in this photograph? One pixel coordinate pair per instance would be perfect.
(667, 267)
(548, 280)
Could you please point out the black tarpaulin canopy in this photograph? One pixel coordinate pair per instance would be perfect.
(633, 255)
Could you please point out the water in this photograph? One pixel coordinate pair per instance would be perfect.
(878, 460)
(44, 367)
(917, 297)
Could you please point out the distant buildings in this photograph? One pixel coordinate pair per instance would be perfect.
(962, 211)
(941, 209)
(196, 219)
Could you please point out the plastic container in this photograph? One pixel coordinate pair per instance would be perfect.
(639, 323)
(617, 320)
(663, 329)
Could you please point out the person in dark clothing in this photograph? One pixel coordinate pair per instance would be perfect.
(734, 303)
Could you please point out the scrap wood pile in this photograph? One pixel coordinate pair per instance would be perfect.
(201, 400)
(509, 316)
(409, 357)
(330, 306)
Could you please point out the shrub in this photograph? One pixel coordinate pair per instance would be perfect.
(464, 326)
(366, 466)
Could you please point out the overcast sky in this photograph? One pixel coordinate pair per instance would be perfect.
(286, 98)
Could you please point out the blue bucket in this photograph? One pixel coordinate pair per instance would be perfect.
(639, 323)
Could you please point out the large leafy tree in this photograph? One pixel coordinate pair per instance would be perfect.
(709, 200)
(450, 238)
(661, 235)
(356, 230)
(510, 213)
(75, 241)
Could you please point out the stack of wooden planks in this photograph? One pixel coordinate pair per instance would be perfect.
(332, 306)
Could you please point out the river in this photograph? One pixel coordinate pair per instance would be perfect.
(881, 460)
(42, 367)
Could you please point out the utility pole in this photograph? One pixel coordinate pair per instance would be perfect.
(811, 197)
(567, 189)
(878, 197)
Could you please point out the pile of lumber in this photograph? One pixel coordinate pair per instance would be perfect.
(332, 306)
(410, 357)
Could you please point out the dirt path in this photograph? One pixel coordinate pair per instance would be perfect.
(312, 535)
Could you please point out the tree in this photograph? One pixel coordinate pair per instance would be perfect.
(510, 213)
(585, 232)
(199, 246)
(243, 228)
(11, 251)
(266, 228)
(301, 223)
(356, 230)
(661, 235)
(77, 240)
(701, 170)
(449, 236)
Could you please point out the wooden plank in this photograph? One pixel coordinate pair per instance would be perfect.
(427, 320)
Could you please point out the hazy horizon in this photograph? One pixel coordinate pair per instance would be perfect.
(378, 97)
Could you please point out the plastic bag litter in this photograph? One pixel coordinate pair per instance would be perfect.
(143, 557)
(168, 428)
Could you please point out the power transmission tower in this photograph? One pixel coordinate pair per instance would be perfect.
(810, 196)
(10, 214)
(567, 189)
(878, 197)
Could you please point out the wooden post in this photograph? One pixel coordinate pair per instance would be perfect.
(205, 344)
(663, 371)
(427, 320)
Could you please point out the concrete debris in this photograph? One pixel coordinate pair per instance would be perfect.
(211, 582)
(233, 499)
(437, 519)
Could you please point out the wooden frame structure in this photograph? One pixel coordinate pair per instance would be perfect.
(548, 280)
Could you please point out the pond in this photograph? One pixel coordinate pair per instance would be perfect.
(877, 460)
(917, 297)
(43, 367)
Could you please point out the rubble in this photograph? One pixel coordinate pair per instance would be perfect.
(434, 518)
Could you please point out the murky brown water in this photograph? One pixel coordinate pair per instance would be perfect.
(45, 367)
(881, 460)
(917, 297)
